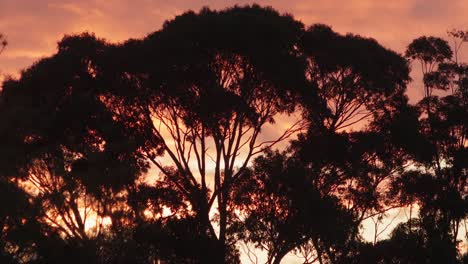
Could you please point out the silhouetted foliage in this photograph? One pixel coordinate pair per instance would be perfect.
(153, 150)
(61, 143)
(283, 211)
(430, 53)
(210, 80)
(354, 77)
(438, 184)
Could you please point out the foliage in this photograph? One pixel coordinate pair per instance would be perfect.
(155, 149)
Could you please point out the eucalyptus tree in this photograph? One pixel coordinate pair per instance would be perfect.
(190, 99)
(205, 86)
(438, 180)
(361, 89)
(355, 78)
(313, 198)
(61, 145)
(430, 52)
(283, 213)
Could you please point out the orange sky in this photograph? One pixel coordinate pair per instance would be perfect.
(33, 27)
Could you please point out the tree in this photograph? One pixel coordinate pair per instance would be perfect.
(205, 86)
(314, 201)
(85, 122)
(355, 78)
(361, 86)
(82, 130)
(62, 146)
(438, 182)
(430, 52)
(281, 211)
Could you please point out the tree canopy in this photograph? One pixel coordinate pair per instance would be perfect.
(159, 149)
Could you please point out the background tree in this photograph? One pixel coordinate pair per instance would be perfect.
(438, 183)
(430, 52)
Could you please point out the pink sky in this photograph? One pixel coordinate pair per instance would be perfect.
(33, 27)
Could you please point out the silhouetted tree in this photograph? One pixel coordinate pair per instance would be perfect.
(314, 198)
(81, 129)
(281, 211)
(205, 86)
(62, 145)
(82, 124)
(438, 182)
(354, 77)
(430, 52)
(355, 126)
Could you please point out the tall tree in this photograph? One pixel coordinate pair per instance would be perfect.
(430, 52)
(85, 122)
(355, 78)
(205, 86)
(331, 174)
(361, 87)
(61, 144)
(438, 182)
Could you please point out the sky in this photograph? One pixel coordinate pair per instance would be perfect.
(33, 27)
